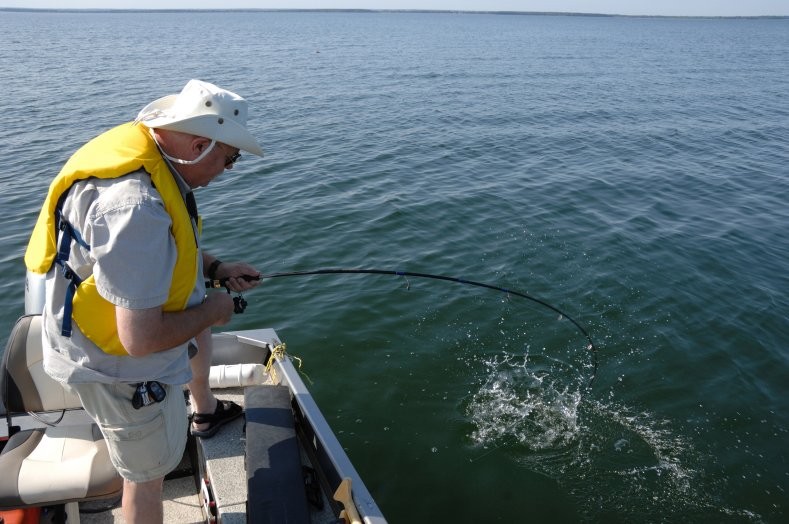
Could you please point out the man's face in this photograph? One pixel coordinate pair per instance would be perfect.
(221, 157)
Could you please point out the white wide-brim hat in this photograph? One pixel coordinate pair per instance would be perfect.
(205, 110)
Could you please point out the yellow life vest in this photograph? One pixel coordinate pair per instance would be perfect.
(115, 153)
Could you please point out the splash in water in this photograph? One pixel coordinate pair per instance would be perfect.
(518, 405)
(617, 462)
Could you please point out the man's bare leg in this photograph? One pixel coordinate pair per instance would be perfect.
(203, 399)
(142, 502)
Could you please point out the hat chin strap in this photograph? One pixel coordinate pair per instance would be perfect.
(181, 161)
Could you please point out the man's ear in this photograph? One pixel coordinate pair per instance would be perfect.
(199, 143)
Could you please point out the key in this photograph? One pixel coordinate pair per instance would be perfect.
(157, 391)
(141, 397)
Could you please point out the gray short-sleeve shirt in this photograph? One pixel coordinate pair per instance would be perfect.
(132, 255)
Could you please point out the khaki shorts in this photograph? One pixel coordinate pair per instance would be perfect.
(146, 443)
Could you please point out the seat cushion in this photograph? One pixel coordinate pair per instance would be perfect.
(55, 465)
(275, 478)
(24, 384)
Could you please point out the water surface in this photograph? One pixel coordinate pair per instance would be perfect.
(632, 172)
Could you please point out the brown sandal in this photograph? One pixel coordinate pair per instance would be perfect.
(226, 411)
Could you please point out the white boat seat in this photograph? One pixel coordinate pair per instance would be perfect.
(51, 465)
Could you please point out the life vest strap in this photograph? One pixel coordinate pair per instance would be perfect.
(74, 282)
(68, 235)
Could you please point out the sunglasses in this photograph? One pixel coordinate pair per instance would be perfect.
(230, 159)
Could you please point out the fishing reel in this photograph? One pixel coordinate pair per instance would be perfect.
(239, 304)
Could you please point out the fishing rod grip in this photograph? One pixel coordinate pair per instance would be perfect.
(219, 283)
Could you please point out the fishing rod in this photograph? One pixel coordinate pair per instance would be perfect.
(340, 271)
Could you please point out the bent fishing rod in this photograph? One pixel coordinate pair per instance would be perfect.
(341, 271)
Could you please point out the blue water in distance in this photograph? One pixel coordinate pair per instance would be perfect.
(630, 171)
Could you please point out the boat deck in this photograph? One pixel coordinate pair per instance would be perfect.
(211, 483)
(224, 459)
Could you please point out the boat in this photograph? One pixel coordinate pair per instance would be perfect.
(280, 463)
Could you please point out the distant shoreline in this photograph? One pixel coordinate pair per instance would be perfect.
(422, 11)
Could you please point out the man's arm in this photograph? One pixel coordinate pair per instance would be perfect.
(146, 331)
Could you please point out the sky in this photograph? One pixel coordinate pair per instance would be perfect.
(622, 7)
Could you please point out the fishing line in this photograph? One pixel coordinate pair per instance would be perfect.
(510, 292)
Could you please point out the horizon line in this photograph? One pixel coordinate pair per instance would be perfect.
(339, 10)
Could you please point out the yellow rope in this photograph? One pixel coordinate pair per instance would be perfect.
(280, 352)
(277, 351)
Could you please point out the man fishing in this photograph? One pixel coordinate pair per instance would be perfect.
(126, 318)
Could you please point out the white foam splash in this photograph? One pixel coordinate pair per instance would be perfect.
(613, 459)
(517, 405)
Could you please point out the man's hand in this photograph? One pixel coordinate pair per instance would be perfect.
(222, 304)
(234, 271)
